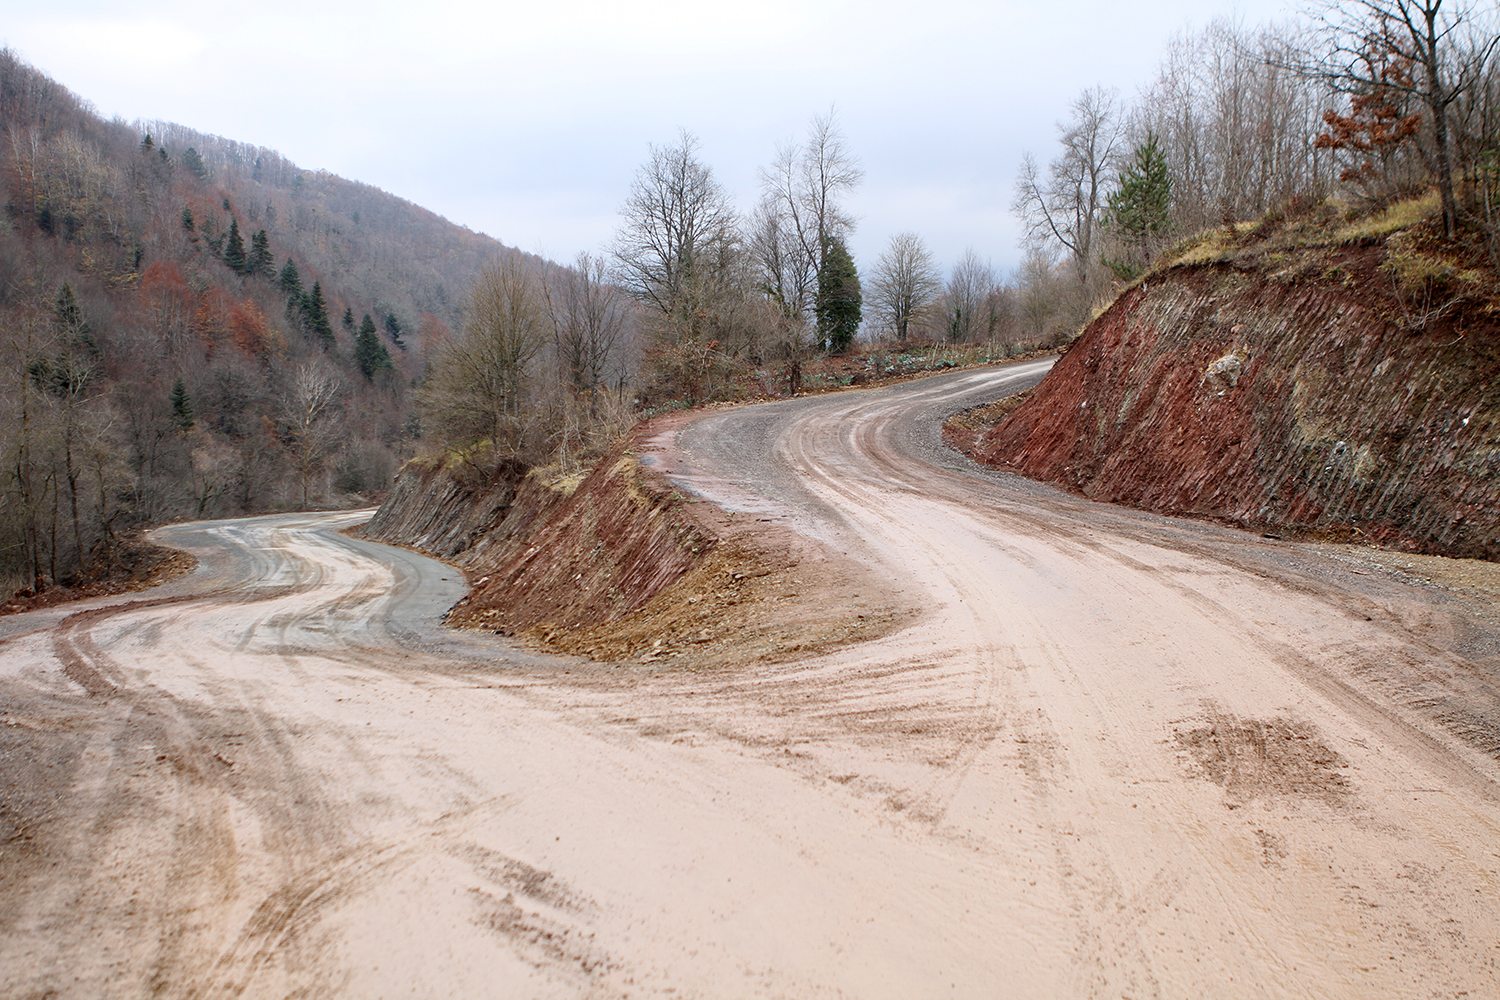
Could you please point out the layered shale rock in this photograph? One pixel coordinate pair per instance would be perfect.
(1321, 391)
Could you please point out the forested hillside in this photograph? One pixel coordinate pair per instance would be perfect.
(191, 326)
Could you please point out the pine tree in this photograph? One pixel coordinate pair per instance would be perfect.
(290, 281)
(182, 407)
(393, 328)
(187, 219)
(1140, 209)
(369, 353)
(259, 260)
(315, 315)
(194, 162)
(78, 336)
(839, 302)
(234, 249)
(76, 365)
(348, 320)
(68, 315)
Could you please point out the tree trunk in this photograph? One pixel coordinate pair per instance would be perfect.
(1437, 100)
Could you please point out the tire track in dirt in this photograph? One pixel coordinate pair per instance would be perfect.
(1085, 770)
(1232, 595)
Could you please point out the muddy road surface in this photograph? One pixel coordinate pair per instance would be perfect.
(1114, 755)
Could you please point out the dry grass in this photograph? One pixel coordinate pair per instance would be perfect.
(1276, 239)
(1396, 217)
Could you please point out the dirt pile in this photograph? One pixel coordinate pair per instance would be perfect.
(1301, 391)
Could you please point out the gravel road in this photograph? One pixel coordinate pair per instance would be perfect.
(1115, 755)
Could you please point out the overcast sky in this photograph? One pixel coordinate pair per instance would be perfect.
(528, 121)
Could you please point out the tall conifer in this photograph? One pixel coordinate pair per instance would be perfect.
(316, 313)
(234, 249)
(369, 353)
(259, 260)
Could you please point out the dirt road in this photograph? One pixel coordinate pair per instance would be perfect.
(1116, 756)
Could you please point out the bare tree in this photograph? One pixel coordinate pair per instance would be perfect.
(588, 325)
(476, 388)
(679, 227)
(23, 337)
(309, 406)
(1406, 46)
(786, 261)
(1236, 122)
(905, 284)
(829, 171)
(969, 288)
(1064, 207)
(1041, 299)
(800, 216)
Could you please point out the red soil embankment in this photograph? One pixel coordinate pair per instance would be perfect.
(1296, 405)
(619, 564)
(589, 550)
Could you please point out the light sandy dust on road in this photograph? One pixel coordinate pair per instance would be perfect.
(1117, 756)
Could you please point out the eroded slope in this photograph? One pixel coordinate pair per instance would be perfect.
(1300, 393)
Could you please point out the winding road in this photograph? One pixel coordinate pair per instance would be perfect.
(1115, 755)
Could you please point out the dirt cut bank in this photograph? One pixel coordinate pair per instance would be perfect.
(619, 564)
(1311, 391)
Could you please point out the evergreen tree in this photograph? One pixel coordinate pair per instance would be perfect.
(1140, 209)
(259, 260)
(187, 219)
(146, 144)
(348, 319)
(369, 353)
(234, 249)
(78, 337)
(839, 302)
(393, 328)
(68, 314)
(182, 407)
(315, 317)
(290, 281)
(194, 162)
(76, 365)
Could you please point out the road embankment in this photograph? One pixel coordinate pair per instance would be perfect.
(541, 553)
(1299, 402)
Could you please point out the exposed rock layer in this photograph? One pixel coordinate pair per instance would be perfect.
(547, 553)
(1302, 405)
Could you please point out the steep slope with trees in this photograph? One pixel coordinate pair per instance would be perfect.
(178, 332)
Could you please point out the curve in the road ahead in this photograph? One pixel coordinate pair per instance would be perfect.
(1118, 755)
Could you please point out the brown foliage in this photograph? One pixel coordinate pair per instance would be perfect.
(248, 328)
(1374, 130)
(211, 317)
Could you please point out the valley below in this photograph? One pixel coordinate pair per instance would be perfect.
(1088, 751)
